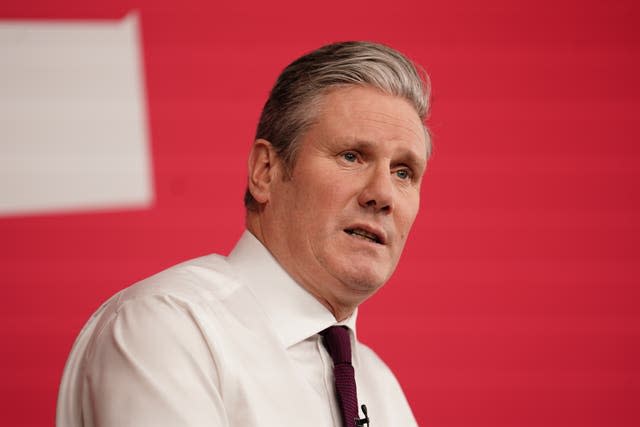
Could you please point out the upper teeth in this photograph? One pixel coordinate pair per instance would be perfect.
(364, 233)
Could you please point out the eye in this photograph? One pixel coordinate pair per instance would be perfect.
(350, 156)
(403, 173)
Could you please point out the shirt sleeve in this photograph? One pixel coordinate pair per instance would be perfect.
(151, 365)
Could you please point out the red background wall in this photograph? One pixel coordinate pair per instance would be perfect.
(516, 302)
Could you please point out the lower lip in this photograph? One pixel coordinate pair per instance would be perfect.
(364, 240)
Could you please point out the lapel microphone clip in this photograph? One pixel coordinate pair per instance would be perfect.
(363, 421)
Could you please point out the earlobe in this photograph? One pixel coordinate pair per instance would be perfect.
(262, 170)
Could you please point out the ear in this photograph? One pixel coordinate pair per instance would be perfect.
(263, 169)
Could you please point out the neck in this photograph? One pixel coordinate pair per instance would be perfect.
(340, 311)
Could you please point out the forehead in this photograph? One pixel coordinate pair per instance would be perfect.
(367, 114)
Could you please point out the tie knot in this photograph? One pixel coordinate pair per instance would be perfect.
(338, 344)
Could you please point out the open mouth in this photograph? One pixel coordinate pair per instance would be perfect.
(363, 234)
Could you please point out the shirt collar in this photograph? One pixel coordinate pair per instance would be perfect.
(295, 313)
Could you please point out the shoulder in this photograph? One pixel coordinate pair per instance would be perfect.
(177, 305)
(146, 352)
(209, 277)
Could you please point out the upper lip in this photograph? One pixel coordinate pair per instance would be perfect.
(380, 234)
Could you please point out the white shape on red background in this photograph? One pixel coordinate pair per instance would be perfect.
(73, 123)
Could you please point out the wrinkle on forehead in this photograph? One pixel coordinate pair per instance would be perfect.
(392, 120)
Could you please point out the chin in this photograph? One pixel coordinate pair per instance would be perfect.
(361, 274)
(365, 280)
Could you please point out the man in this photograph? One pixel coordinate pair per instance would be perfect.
(266, 336)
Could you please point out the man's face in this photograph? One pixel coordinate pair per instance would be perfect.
(339, 223)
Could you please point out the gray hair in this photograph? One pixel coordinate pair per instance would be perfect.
(292, 105)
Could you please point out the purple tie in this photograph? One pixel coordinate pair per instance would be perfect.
(337, 342)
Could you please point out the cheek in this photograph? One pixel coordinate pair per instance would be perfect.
(313, 210)
(407, 216)
(327, 197)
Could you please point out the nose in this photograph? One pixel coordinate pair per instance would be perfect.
(377, 193)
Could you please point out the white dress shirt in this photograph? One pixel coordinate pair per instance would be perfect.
(217, 341)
